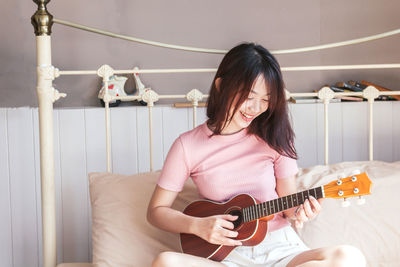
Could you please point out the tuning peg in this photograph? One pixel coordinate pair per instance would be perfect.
(340, 177)
(355, 172)
(361, 201)
(345, 203)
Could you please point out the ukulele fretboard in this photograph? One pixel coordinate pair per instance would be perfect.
(279, 204)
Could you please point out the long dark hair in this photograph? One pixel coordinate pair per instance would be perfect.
(238, 71)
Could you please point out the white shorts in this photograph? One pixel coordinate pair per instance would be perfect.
(276, 250)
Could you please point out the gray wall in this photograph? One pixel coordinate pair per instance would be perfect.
(209, 24)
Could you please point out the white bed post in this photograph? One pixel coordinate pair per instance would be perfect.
(106, 72)
(42, 22)
(326, 94)
(150, 97)
(371, 93)
(194, 96)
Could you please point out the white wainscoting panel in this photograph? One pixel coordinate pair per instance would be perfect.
(175, 122)
(79, 148)
(124, 140)
(143, 141)
(396, 130)
(6, 231)
(304, 118)
(335, 131)
(201, 116)
(75, 196)
(95, 135)
(96, 159)
(35, 118)
(25, 240)
(355, 130)
(383, 131)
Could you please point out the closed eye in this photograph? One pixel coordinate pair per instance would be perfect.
(251, 98)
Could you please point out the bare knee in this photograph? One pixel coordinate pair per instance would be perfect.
(344, 256)
(165, 259)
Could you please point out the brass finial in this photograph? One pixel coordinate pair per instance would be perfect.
(42, 20)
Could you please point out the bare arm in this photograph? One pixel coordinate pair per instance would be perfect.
(306, 211)
(284, 187)
(214, 229)
(161, 215)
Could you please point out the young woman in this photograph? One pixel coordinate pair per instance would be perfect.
(246, 146)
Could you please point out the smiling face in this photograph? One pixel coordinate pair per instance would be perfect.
(251, 108)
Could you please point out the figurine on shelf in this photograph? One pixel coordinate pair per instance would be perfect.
(116, 86)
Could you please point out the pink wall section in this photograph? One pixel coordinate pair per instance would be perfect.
(208, 24)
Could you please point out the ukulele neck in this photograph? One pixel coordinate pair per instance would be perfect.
(280, 204)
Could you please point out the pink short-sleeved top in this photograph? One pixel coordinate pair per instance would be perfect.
(223, 166)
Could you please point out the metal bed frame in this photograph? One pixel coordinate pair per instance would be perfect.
(42, 21)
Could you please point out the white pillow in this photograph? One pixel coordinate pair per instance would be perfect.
(121, 235)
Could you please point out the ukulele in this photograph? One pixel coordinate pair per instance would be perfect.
(253, 216)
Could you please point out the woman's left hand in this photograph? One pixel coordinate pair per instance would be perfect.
(307, 211)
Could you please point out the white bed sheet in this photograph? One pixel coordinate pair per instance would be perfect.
(121, 239)
(373, 227)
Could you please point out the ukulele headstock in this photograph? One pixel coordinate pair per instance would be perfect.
(352, 186)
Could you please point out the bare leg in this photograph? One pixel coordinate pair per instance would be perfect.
(175, 259)
(339, 256)
(342, 256)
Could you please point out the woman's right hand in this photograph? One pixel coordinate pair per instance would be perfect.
(217, 229)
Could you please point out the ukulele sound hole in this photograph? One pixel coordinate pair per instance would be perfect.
(238, 221)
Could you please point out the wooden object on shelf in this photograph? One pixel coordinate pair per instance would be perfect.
(380, 88)
(189, 105)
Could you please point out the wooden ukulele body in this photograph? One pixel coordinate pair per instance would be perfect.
(250, 233)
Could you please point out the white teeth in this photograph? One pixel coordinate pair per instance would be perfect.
(247, 116)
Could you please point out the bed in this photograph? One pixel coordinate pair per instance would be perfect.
(122, 237)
